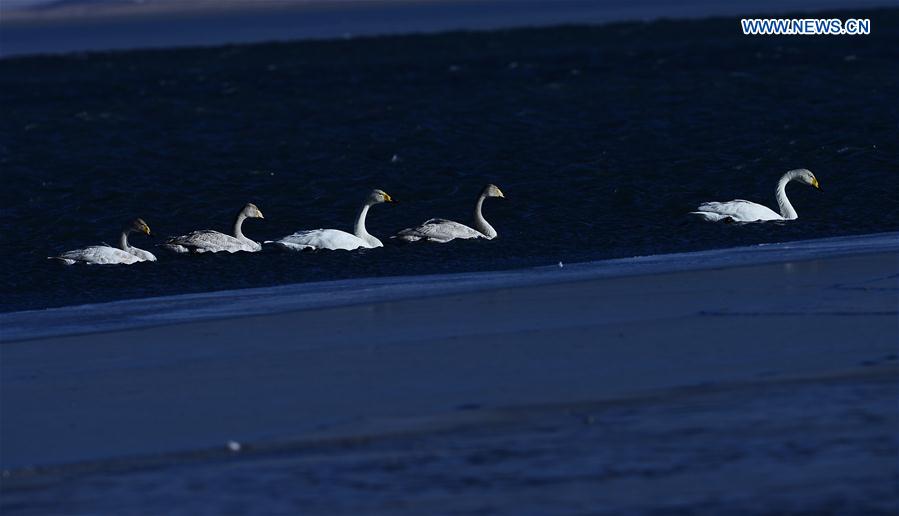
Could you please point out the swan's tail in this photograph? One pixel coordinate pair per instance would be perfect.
(66, 261)
(408, 235)
(709, 215)
(175, 248)
(278, 245)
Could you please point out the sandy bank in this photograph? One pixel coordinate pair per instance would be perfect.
(355, 369)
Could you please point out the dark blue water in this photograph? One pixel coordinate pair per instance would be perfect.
(602, 138)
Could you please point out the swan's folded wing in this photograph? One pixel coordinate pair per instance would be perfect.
(145, 256)
(100, 255)
(739, 210)
(321, 239)
(438, 230)
(206, 241)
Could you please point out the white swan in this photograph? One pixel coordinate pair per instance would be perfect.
(745, 211)
(334, 238)
(442, 230)
(107, 255)
(209, 241)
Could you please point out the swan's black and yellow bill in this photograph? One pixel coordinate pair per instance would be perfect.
(140, 225)
(815, 183)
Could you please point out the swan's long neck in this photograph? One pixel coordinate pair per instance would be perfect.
(786, 209)
(123, 240)
(359, 228)
(238, 224)
(480, 223)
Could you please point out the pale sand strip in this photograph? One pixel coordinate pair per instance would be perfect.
(355, 370)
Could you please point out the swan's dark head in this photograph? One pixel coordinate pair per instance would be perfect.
(805, 176)
(139, 226)
(493, 191)
(379, 196)
(250, 211)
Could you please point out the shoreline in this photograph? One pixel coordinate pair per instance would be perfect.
(185, 308)
(365, 367)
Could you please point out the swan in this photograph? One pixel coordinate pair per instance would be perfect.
(745, 211)
(105, 254)
(209, 241)
(442, 230)
(335, 238)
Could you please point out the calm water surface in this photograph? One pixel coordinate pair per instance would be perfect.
(602, 138)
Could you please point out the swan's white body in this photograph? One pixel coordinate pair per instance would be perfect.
(737, 210)
(98, 255)
(125, 254)
(443, 230)
(209, 241)
(335, 239)
(745, 211)
(145, 256)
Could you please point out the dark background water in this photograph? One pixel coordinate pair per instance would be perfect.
(602, 138)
